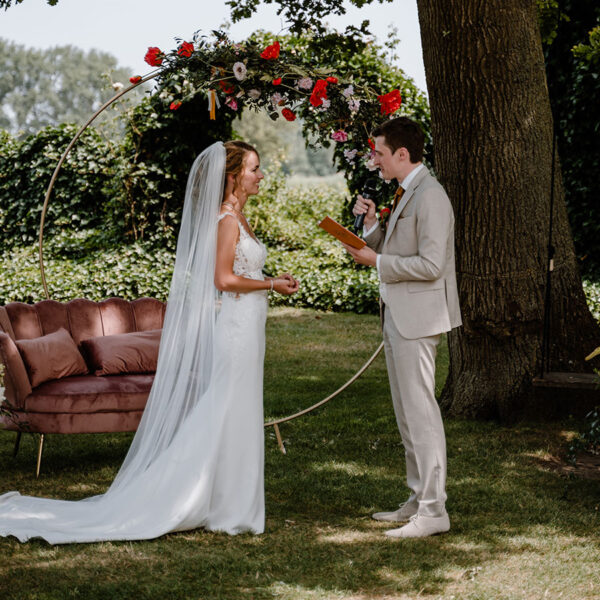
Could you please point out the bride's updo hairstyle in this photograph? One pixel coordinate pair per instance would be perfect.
(236, 152)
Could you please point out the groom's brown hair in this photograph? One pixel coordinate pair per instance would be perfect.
(403, 132)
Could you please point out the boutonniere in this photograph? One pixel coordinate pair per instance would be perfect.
(384, 215)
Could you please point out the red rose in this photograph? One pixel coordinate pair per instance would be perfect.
(319, 93)
(154, 56)
(332, 80)
(135, 79)
(288, 115)
(186, 49)
(175, 105)
(227, 87)
(277, 81)
(390, 102)
(271, 52)
(371, 144)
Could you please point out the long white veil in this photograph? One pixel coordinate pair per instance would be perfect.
(185, 357)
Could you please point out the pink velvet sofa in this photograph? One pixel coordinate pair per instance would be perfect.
(92, 400)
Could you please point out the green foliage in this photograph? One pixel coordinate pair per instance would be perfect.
(159, 148)
(129, 272)
(571, 51)
(588, 440)
(47, 87)
(80, 191)
(592, 294)
(285, 217)
(302, 15)
(589, 53)
(7, 3)
(367, 66)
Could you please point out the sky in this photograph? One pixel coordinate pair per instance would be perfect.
(126, 28)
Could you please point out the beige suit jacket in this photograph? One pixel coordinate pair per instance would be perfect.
(416, 267)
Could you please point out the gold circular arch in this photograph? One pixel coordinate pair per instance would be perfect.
(275, 422)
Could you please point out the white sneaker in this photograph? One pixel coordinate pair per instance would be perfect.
(403, 514)
(421, 526)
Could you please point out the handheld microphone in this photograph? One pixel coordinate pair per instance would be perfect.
(369, 192)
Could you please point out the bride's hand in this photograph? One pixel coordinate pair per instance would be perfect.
(285, 286)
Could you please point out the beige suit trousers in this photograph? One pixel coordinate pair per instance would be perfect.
(411, 370)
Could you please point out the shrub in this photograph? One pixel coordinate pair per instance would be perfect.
(80, 191)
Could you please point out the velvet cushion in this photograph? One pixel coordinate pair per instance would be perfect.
(51, 356)
(135, 352)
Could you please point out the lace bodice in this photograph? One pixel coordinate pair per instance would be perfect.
(250, 253)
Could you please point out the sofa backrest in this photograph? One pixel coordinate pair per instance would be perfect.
(82, 318)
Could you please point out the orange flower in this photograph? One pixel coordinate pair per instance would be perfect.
(175, 105)
(186, 49)
(319, 92)
(390, 102)
(271, 52)
(135, 79)
(154, 56)
(288, 115)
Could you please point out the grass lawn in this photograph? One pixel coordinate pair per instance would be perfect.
(519, 529)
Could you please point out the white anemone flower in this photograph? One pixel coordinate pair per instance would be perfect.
(240, 71)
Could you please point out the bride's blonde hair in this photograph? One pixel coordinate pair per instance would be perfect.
(236, 156)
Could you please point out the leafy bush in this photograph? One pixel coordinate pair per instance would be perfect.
(592, 294)
(285, 217)
(80, 191)
(572, 58)
(159, 149)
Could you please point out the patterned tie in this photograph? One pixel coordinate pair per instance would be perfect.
(397, 197)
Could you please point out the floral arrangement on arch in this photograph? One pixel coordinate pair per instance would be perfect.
(278, 80)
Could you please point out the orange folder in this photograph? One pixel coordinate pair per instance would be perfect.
(341, 233)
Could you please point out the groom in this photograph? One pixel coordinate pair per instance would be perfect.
(414, 256)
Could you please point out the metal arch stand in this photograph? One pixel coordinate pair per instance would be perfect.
(275, 423)
(60, 164)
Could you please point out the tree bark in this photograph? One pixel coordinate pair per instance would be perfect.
(492, 130)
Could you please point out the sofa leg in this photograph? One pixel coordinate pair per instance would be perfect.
(17, 443)
(39, 458)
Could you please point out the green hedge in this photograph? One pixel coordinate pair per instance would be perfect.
(80, 191)
(286, 217)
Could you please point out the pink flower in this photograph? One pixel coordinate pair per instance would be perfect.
(350, 155)
(340, 136)
(354, 105)
(231, 102)
(305, 83)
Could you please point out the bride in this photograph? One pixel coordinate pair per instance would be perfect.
(198, 455)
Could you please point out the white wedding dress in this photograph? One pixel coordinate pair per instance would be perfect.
(207, 470)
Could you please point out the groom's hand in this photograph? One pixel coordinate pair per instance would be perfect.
(366, 206)
(364, 256)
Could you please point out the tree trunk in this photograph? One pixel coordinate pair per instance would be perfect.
(492, 131)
